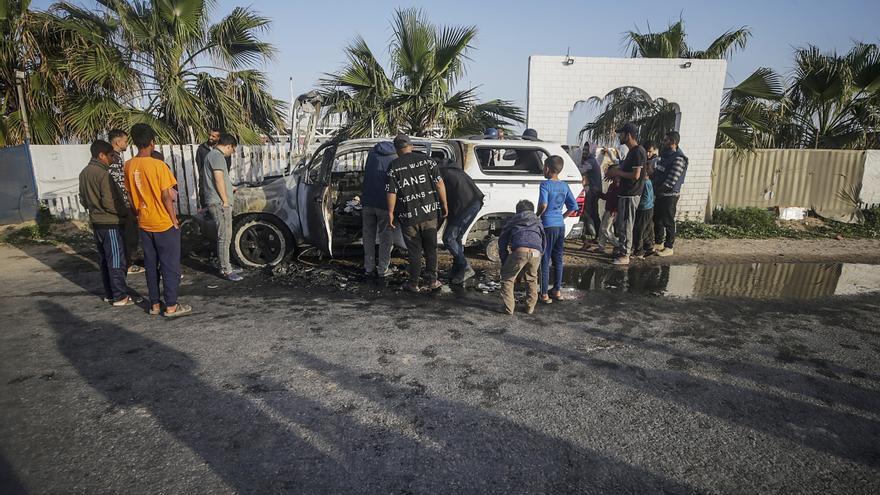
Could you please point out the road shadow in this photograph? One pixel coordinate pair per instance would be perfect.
(10, 484)
(267, 438)
(842, 434)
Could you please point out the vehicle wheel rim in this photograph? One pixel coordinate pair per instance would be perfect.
(261, 244)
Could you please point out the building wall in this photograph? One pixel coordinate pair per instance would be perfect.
(554, 88)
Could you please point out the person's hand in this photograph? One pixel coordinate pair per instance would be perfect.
(225, 205)
(175, 222)
(445, 211)
(391, 221)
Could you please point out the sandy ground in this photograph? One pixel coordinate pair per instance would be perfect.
(272, 388)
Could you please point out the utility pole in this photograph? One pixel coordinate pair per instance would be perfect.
(19, 79)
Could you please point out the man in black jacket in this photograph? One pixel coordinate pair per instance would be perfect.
(465, 200)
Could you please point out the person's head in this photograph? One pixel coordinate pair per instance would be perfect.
(118, 139)
(628, 134)
(402, 144)
(102, 151)
(226, 144)
(650, 148)
(530, 134)
(586, 152)
(500, 133)
(671, 140)
(213, 136)
(525, 205)
(552, 166)
(143, 136)
(491, 133)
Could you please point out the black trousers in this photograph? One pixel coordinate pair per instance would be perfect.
(643, 231)
(591, 215)
(421, 238)
(664, 220)
(162, 256)
(111, 255)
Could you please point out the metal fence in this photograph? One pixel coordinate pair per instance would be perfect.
(56, 169)
(821, 180)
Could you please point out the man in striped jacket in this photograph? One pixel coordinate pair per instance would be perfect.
(668, 177)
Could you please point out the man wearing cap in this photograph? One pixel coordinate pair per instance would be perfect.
(632, 182)
(416, 198)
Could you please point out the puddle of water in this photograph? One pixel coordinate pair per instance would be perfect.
(752, 280)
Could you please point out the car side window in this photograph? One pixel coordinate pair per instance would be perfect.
(514, 161)
(318, 168)
(352, 161)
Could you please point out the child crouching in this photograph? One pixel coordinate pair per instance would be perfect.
(521, 245)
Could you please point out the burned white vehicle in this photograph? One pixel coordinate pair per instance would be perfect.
(317, 203)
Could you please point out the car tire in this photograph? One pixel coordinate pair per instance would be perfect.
(259, 241)
(491, 249)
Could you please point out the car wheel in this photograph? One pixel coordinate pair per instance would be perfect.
(259, 241)
(491, 249)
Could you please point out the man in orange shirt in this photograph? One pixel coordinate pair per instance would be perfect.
(150, 184)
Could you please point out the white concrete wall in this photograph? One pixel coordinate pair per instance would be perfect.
(554, 88)
(871, 180)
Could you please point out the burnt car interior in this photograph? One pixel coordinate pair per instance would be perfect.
(346, 180)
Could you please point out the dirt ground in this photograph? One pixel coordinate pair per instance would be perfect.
(296, 388)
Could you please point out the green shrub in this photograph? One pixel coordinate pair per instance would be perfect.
(757, 219)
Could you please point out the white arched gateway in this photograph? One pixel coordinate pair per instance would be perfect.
(558, 83)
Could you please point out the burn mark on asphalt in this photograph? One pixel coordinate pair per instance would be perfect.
(678, 363)
(19, 379)
(454, 334)
(430, 351)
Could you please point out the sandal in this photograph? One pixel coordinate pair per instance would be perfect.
(434, 286)
(411, 288)
(125, 301)
(556, 296)
(135, 269)
(546, 299)
(182, 309)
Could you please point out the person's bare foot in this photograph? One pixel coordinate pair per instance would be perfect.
(155, 309)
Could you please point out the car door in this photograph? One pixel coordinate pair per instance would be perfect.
(313, 199)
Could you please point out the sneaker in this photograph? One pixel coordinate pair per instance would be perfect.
(658, 247)
(621, 260)
(233, 277)
(666, 252)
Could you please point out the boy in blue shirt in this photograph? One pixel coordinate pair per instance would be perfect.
(553, 195)
(643, 231)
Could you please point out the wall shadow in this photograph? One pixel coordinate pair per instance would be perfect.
(290, 443)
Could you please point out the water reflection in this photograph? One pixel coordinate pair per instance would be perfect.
(754, 280)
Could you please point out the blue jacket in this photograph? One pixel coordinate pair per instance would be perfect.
(522, 230)
(647, 201)
(669, 173)
(375, 173)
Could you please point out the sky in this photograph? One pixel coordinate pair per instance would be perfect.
(310, 36)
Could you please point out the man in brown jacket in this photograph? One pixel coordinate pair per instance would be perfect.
(107, 214)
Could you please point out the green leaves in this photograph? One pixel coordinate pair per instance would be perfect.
(417, 93)
(672, 43)
(156, 61)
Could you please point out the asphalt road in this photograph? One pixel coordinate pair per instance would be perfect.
(273, 388)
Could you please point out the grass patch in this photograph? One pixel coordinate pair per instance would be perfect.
(756, 223)
(47, 230)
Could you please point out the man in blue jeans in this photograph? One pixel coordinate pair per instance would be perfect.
(465, 200)
(553, 196)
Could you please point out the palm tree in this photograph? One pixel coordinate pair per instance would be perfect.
(749, 111)
(833, 101)
(629, 104)
(672, 43)
(157, 62)
(416, 95)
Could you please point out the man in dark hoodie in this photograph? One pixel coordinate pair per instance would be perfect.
(521, 245)
(107, 214)
(375, 210)
(668, 177)
(465, 200)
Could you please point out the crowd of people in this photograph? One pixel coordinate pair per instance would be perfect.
(133, 203)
